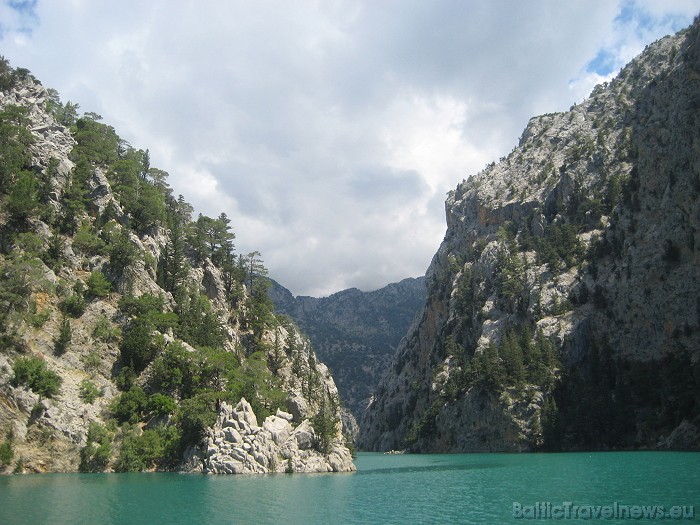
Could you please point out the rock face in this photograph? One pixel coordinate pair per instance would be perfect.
(237, 445)
(562, 309)
(101, 196)
(355, 333)
(52, 140)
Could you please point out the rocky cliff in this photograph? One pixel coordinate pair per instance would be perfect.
(355, 333)
(563, 308)
(127, 329)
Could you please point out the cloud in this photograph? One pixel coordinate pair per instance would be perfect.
(17, 16)
(638, 23)
(329, 132)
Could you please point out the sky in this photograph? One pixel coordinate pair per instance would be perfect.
(328, 131)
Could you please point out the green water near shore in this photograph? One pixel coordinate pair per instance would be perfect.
(464, 488)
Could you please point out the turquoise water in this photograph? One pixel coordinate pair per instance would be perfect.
(465, 488)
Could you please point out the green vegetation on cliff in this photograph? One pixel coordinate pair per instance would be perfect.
(113, 297)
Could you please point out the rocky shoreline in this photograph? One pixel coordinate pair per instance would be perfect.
(237, 445)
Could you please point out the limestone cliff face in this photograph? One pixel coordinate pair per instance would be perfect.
(49, 432)
(584, 237)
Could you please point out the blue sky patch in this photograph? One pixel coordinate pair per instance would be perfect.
(26, 19)
(630, 14)
(643, 22)
(603, 63)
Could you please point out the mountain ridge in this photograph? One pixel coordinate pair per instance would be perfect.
(355, 332)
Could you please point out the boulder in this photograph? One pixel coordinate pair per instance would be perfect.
(101, 196)
(244, 413)
(298, 407)
(231, 435)
(284, 415)
(304, 435)
(279, 428)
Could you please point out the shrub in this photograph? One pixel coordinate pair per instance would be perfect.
(92, 361)
(104, 331)
(33, 373)
(89, 391)
(138, 346)
(130, 405)
(153, 448)
(7, 451)
(160, 405)
(195, 414)
(74, 305)
(38, 319)
(95, 456)
(64, 338)
(87, 242)
(98, 285)
(20, 276)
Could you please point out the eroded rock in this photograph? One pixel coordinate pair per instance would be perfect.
(237, 445)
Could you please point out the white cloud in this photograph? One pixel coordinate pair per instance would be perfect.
(329, 132)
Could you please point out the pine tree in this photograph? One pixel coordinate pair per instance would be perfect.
(197, 236)
(97, 143)
(145, 163)
(148, 209)
(172, 267)
(551, 428)
(64, 337)
(73, 200)
(23, 199)
(222, 240)
(512, 354)
(123, 253)
(98, 285)
(199, 323)
(255, 269)
(325, 423)
(260, 306)
(211, 238)
(14, 143)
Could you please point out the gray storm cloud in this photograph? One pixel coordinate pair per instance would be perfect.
(329, 132)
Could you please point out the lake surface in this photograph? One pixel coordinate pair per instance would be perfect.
(463, 488)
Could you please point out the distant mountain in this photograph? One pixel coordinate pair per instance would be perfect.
(563, 307)
(355, 333)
